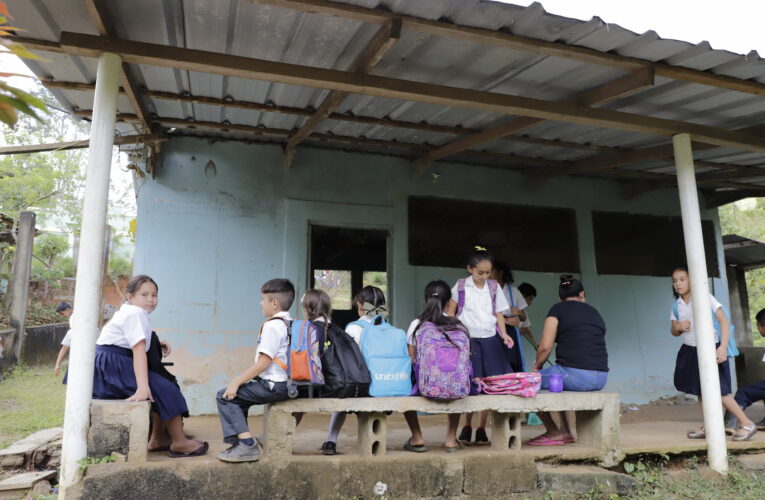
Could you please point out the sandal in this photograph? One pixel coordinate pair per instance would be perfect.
(747, 435)
(569, 440)
(420, 448)
(545, 441)
(198, 452)
(452, 449)
(699, 434)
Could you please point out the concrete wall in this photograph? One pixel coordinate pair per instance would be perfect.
(211, 241)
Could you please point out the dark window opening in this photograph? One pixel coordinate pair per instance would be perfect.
(645, 245)
(443, 232)
(343, 260)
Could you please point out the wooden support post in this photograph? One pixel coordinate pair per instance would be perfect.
(22, 269)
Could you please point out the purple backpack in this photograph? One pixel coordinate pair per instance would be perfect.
(442, 367)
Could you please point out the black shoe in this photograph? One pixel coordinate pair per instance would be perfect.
(731, 423)
(466, 435)
(480, 437)
(329, 448)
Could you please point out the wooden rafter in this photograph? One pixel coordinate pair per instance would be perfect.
(629, 83)
(244, 67)
(104, 26)
(388, 34)
(366, 120)
(516, 42)
(63, 146)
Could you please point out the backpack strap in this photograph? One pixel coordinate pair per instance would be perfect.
(288, 324)
(675, 312)
(493, 285)
(460, 295)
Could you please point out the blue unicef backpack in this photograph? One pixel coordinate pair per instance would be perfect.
(385, 351)
(732, 349)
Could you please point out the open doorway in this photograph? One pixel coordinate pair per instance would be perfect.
(343, 260)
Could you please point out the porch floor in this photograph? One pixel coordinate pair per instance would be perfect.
(651, 429)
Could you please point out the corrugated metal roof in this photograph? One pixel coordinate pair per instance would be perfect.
(744, 252)
(252, 29)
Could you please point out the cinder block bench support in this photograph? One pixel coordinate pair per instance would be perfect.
(119, 426)
(373, 431)
(505, 431)
(600, 429)
(280, 430)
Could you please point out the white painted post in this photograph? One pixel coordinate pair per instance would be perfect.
(702, 319)
(87, 294)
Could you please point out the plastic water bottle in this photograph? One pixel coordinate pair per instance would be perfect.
(556, 382)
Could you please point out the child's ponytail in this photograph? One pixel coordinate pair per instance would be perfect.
(479, 255)
(437, 296)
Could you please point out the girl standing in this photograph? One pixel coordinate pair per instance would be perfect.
(122, 372)
(687, 378)
(370, 303)
(480, 305)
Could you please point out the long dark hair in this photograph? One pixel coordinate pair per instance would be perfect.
(479, 255)
(136, 281)
(370, 294)
(437, 296)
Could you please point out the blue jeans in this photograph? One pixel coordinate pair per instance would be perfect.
(575, 379)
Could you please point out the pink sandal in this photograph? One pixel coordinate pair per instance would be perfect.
(545, 441)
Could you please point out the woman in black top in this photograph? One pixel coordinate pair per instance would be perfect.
(582, 360)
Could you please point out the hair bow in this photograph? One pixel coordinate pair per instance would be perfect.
(372, 310)
(480, 248)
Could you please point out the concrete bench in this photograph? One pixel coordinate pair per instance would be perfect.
(119, 426)
(597, 419)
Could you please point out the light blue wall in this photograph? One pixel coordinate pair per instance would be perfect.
(210, 242)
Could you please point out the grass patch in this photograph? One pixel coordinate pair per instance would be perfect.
(31, 399)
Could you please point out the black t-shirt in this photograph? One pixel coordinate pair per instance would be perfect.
(581, 336)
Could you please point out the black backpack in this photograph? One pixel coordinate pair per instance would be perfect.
(345, 372)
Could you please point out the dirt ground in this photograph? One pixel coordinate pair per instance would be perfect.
(650, 429)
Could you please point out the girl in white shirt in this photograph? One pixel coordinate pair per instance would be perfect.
(370, 303)
(479, 304)
(122, 371)
(687, 378)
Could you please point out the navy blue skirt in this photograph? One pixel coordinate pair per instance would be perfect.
(687, 378)
(114, 378)
(488, 357)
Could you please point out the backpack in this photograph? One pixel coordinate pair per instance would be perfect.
(732, 349)
(442, 365)
(525, 384)
(387, 356)
(492, 284)
(345, 372)
(305, 363)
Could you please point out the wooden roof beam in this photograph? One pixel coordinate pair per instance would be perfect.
(381, 43)
(367, 120)
(292, 74)
(516, 42)
(63, 146)
(632, 82)
(104, 26)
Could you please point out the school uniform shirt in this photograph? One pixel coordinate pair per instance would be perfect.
(476, 314)
(67, 340)
(128, 326)
(685, 313)
(355, 331)
(274, 343)
(514, 296)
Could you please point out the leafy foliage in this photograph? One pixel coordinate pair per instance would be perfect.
(12, 99)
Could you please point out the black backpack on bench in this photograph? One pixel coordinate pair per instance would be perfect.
(345, 373)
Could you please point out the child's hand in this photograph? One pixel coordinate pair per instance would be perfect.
(141, 394)
(167, 349)
(507, 340)
(55, 369)
(685, 326)
(513, 321)
(230, 392)
(721, 354)
(515, 311)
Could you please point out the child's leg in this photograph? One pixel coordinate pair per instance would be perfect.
(730, 404)
(336, 422)
(414, 426)
(484, 416)
(158, 437)
(469, 419)
(451, 430)
(180, 442)
(233, 412)
(746, 396)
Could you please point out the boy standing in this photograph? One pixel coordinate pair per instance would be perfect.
(263, 382)
(64, 309)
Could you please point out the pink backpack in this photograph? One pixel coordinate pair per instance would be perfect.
(442, 365)
(526, 384)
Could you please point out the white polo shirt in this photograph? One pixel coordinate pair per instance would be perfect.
(274, 343)
(355, 331)
(685, 313)
(476, 314)
(128, 326)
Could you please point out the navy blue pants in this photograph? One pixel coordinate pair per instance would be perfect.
(749, 394)
(233, 412)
